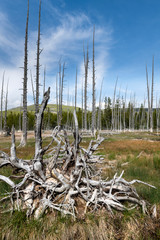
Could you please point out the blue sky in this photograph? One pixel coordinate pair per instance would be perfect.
(127, 36)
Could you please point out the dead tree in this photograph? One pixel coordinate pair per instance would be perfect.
(124, 111)
(86, 62)
(148, 96)
(38, 61)
(67, 178)
(5, 115)
(25, 80)
(57, 101)
(157, 113)
(34, 99)
(99, 109)
(82, 105)
(61, 88)
(1, 122)
(93, 89)
(20, 115)
(114, 107)
(76, 91)
(151, 110)
(68, 109)
(44, 80)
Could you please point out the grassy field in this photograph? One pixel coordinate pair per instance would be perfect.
(138, 154)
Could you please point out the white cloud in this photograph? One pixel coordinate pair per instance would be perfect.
(63, 41)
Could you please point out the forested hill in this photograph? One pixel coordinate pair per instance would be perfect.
(52, 107)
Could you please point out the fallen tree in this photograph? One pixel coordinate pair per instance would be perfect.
(67, 179)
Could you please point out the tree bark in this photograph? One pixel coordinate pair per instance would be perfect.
(25, 80)
(93, 88)
(38, 61)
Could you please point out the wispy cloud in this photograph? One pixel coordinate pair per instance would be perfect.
(65, 41)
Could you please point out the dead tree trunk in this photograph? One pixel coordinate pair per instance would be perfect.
(93, 89)
(25, 80)
(151, 110)
(124, 112)
(34, 99)
(20, 115)
(113, 107)
(38, 61)
(99, 109)
(61, 86)
(148, 96)
(5, 116)
(38, 164)
(57, 101)
(82, 105)
(1, 122)
(76, 92)
(44, 80)
(86, 62)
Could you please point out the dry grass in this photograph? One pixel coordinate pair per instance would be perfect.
(131, 146)
(129, 225)
(99, 226)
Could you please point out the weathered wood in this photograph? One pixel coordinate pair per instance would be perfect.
(67, 175)
(25, 80)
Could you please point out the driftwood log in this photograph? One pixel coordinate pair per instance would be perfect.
(67, 178)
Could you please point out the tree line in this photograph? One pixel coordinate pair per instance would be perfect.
(129, 118)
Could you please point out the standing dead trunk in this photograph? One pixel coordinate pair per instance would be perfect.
(20, 115)
(5, 116)
(93, 89)
(99, 109)
(61, 84)
(44, 80)
(82, 104)
(1, 123)
(68, 109)
(86, 62)
(124, 112)
(76, 91)
(38, 165)
(151, 110)
(57, 101)
(34, 100)
(148, 95)
(25, 80)
(113, 107)
(38, 61)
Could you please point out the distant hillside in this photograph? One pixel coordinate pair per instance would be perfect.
(53, 108)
